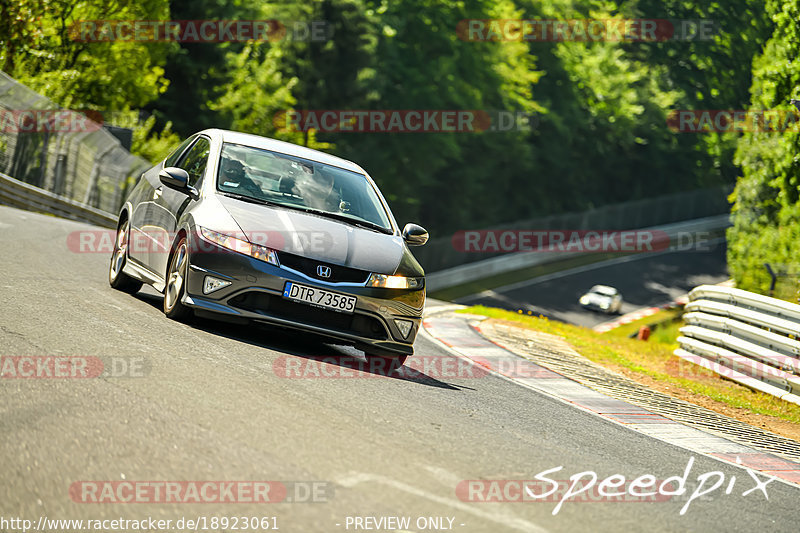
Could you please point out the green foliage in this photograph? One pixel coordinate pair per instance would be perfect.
(153, 146)
(766, 213)
(199, 73)
(45, 52)
(42, 48)
(600, 135)
(257, 90)
(446, 181)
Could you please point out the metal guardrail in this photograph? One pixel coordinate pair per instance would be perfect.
(19, 194)
(746, 337)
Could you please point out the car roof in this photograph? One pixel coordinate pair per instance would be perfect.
(274, 145)
(604, 289)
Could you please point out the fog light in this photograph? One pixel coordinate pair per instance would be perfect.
(212, 284)
(404, 326)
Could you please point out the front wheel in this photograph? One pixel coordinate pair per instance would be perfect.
(116, 277)
(176, 283)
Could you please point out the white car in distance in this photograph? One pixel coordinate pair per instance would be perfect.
(602, 298)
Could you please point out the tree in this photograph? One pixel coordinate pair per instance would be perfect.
(46, 52)
(766, 212)
(199, 72)
(444, 180)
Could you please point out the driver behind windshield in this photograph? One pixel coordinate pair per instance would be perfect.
(233, 176)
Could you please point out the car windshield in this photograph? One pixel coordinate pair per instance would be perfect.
(301, 184)
(604, 291)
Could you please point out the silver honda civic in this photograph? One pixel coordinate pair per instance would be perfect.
(242, 228)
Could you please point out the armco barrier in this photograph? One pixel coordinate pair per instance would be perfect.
(746, 337)
(18, 194)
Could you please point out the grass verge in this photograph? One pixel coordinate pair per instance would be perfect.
(667, 322)
(653, 364)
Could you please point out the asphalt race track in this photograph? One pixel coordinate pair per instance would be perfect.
(648, 280)
(207, 402)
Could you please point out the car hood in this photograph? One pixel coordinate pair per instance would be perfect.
(316, 237)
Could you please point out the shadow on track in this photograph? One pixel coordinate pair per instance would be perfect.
(318, 359)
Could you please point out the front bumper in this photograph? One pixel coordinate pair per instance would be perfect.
(599, 308)
(255, 293)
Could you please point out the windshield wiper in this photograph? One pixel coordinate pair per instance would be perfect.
(344, 218)
(350, 220)
(245, 198)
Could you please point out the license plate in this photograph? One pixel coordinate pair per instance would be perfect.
(319, 297)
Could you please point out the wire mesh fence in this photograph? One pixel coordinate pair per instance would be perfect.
(61, 151)
(784, 281)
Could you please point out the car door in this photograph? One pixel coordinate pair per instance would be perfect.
(169, 204)
(142, 231)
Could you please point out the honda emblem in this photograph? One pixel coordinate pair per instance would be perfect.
(323, 271)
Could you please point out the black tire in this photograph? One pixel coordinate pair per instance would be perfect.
(118, 279)
(175, 286)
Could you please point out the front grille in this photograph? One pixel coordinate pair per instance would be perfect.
(275, 306)
(339, 274)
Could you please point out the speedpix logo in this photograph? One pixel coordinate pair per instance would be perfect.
(589, 487)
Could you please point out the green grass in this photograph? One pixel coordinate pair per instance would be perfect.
(662, 320)
(653, 360)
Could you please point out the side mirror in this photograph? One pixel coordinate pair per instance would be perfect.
(415, 235)
(175, 178)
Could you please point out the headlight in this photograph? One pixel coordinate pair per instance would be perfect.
(394, 282)
(255, 251)
(584, 300)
